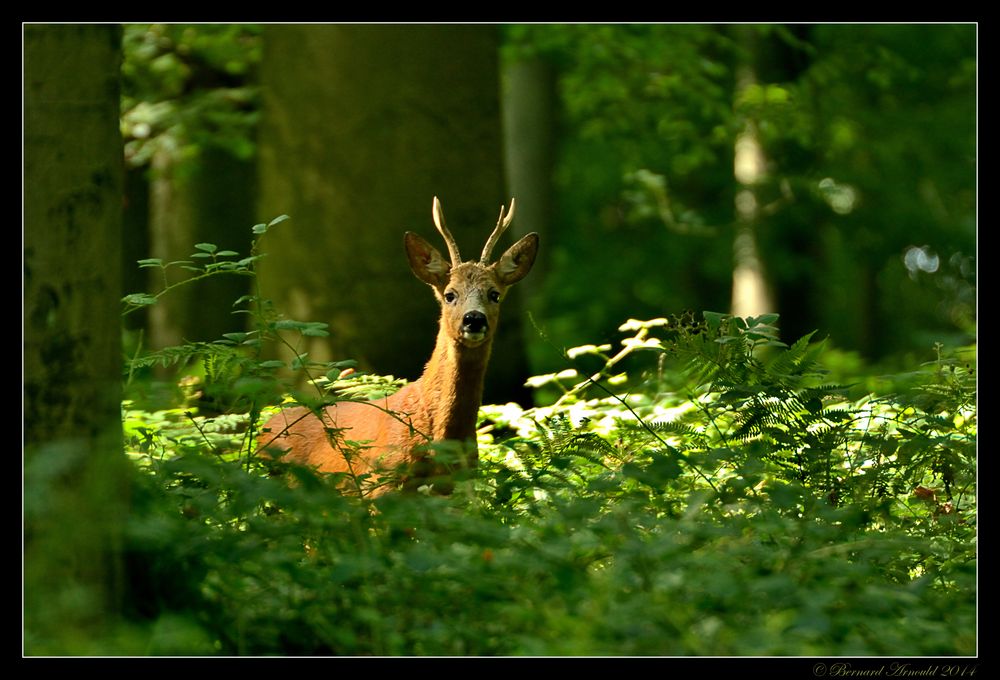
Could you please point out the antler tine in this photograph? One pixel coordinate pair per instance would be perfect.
(502, 223)
(449, 240)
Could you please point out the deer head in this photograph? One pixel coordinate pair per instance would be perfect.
(440, 406)
(470, 293)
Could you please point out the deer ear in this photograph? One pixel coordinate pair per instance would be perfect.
(425, 261)
(515, 264)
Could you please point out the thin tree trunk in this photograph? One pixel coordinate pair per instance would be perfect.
(529, 109)
(167, 217)
(751, 296)
(529, 105)
(203, 199)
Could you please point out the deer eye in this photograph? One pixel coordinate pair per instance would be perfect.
(494, 296)
(450, 296)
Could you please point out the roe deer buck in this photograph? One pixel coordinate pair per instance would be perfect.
(392, 434)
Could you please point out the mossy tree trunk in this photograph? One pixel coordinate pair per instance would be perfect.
(75, 472)
(362, 127)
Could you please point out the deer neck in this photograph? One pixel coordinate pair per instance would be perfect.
(452, 387)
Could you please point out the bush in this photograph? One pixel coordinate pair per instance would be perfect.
(705, 490)
(730, 503)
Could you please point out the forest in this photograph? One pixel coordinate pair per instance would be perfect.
(731, 411)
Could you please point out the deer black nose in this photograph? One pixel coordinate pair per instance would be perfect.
(474, 322)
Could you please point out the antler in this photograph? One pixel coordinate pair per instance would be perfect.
(502, 223)
(456, 259)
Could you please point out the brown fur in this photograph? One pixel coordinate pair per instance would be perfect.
(388, 438)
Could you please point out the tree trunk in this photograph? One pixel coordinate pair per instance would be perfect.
(751, 296)
(362, 127)
(75, 472)
(207, 198)
(135, 242)
(529, 106)
(529, 110)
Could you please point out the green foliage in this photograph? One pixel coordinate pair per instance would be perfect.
(718, 498)
(232, 376)
(867, 198)
(186, 86)
(698, 486)
(222, 262)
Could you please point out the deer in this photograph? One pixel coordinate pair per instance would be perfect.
(401, 440)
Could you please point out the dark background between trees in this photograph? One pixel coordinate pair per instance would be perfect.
(827, 173)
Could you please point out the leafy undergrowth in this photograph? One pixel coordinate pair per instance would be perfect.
(720, 498)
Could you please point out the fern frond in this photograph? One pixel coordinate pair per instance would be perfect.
(170, 356)
(795, 360)
(674, 427)
(587, 445)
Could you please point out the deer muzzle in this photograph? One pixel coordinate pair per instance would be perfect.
(474, 326)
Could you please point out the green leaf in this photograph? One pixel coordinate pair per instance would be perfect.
(151, 262)
(310, 328)
(206, 247)
(714, 319)
(139, 299)
(598, 350)
(227, 253)
(316, 330)
(262, 228)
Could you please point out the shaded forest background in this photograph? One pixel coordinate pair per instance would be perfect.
(826, 173)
